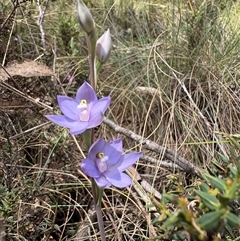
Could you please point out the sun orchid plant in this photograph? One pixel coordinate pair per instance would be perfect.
(105, 163)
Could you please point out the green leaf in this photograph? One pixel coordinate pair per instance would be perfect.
(233, 219)
(57, 227)
(233, 169)
(216, 182)
(209, 221)
(232, 189)
(224, 201)
(223, 157)
(234, 142)
(5, 204)
(204, 187)
(208, 200)
(172, 220)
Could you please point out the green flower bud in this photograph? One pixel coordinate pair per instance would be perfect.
(104, 47)
(85, 17)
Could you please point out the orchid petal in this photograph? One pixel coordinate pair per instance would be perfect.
(117, 144)
(101, 105)
(86, 92)
(102, 182)
(95, 120)
(113, 150)
(96, 148)
(61, 120)
(88, 167)
(126, 161)
(68, 107)
(119, 180)
(78, 128)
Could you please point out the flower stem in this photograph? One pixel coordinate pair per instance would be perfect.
(97, 196)
(98, 66)
(97, 192)
(87, 138)
(91, 43)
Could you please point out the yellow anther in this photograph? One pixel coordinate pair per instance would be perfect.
(100, 155)
(83, 102)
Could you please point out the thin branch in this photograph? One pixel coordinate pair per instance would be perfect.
(160, 163)
(152, 146)
(5, 22)
(40, 22)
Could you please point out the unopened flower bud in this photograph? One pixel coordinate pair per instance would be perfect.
(104, 47)
(85, 17)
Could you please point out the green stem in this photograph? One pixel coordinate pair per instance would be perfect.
(87, 138)
(97, 197)
(91, 43)
(98, 67)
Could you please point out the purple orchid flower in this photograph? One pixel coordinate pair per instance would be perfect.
(106, 163)
(83, 112)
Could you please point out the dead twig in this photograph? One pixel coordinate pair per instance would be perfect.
(152, 146)
(161, 163)
(40, 23)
